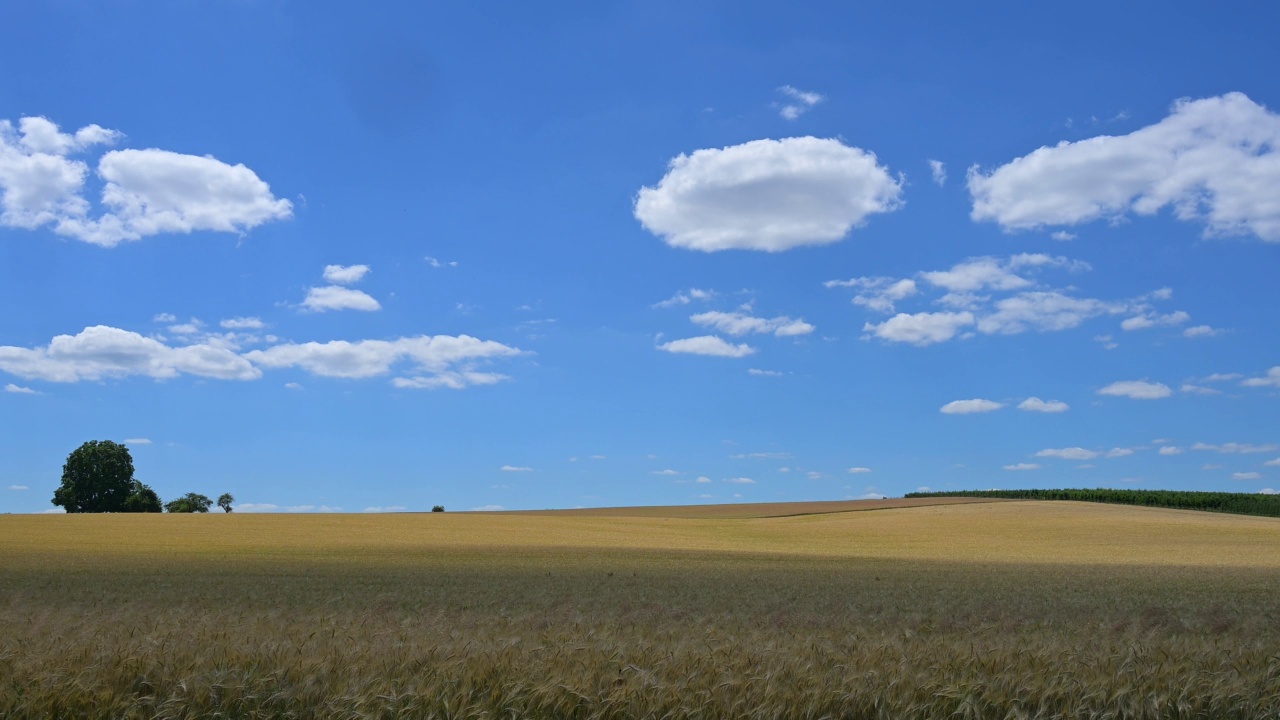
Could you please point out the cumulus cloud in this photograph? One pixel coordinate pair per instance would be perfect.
(763, 373)
(920, 329)
(1201, 331)
(1246, 476)
(1119, 452)
(1215, 160)
(879, 293)
(1022, 466)
(100, 352)
(939, 172)
(1043, 310)
(1137, 390)
(740, 481)
(1071, 453)
(137, 441)
(145, 192)
(385, 509)
(684, 297)
(439, 361)
(1191, 389)
(798, 102)
(336, 297)
(1170, 450)
(19, 487)
(1150, 320)
(769, 195)
(11, 388)
(1271, 379)
(707, 345)
(992, 273)
(703, 479)
(488, 508)
(515, 468)
(968, 407)
(1267, 491)
(664, 472)
(345, 274)
(1232, 448)
(1035, 404)
(436, 263)
(859, 470)
(242, 323)
(1272, 463)
(256, 507)
(737, 323)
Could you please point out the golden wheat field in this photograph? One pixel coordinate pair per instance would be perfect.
(886, 609)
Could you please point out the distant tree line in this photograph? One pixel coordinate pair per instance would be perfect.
(1225, 502)
(98, 478)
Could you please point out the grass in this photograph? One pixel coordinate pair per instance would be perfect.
(999, 610)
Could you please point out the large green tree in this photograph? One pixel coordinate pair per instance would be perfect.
(98, 477)
(189, 503)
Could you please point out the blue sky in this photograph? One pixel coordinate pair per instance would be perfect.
(638, 253)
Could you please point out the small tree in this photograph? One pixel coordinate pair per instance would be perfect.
(189, 503)
(97, 477)
(142, 500)
(438, 508)
(224, 501)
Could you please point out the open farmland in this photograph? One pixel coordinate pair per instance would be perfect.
(979, 609)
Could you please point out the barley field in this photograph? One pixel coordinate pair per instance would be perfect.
(927, 608)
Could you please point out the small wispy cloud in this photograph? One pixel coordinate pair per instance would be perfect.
(799, 102)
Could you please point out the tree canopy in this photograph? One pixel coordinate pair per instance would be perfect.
(98, 477)
(225, 500)
(189, 503)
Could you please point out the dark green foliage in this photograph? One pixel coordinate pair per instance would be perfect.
(1236, 503)
(224, 501)
(98, 477)
(142, 499)
(438, 508)
(189, 503)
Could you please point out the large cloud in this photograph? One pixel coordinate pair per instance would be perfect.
(145, 192)
(439, 361)
(770, 195)
(105, 352)
(1216, 160)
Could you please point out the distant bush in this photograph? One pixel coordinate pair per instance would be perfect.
(189, 503)
(1225, 502)
(438, 508)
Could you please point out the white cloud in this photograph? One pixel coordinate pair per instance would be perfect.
(137, 441)
(311, 509)
(1170, 450)
(488, 508)
(736, 324)
(105, 352)
(449, 379)
(1222, 377)
(1201, 331)
(921, 328)
(1272, 463)
(515, 468)
(1190, 389)
(19, 487)
(1271, 379)
(1043, 310)
(859, 470)
(814, 475)
(881, 292)
(664, 472)
(1063, 236)
(334, 297)
(703, 479)
(164, 318)
(982, 273)
(1216, 160)
(446, 358)
(435, 263)
(801, 102)
(386, 509)
(52, 511)
(1137, 390)
(345, 274)
(1071, 453)
(684, 297)
(242, 323)
(707, 345)
(1022, 466)
(939, 172)
(1035, 404)
(1267, 491)
(761, 456)
(764, 373)
(870, 496)
(145, 192)
(1119, 452)
(293, 386)
(740, 481)
(256, 507)
(968, 407)
(770, 195)
(1232, 448)
(1246, 476)
(1150, 320)
(11, 388)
